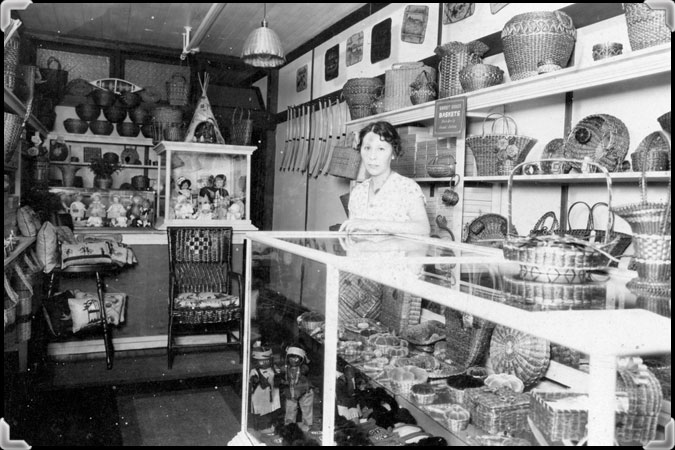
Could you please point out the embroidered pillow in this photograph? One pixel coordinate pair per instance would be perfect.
(28, 221)
(85, 310)
(85, 253)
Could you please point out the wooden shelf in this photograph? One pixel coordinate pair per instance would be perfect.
(650, 61)
(124, 166)
(575, 178)
(18, 108)
(91, 138)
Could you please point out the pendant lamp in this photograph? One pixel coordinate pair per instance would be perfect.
(263, 47)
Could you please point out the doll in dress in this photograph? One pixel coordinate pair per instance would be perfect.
(263, 382)
(234, 212)
(77, 209)
(183, 208)
(185, 187)
(134, 211)
(146, 213)
(297, 389)
(204, 212)
(96, 211)
(117, 211)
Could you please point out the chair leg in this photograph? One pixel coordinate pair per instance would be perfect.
(169, 346)
(107, 338)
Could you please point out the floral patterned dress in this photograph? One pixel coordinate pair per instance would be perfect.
(391, 203)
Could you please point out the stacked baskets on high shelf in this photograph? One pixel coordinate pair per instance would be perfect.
(454, 57)
(397, 81)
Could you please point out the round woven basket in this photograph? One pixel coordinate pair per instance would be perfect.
(646, 27)
(535, 37)
(479, 76)
(656, 159)
(76, 126)
(601, 137)
(128, 129)
(360, 94)
(443, 166)
(454, 57)
(519, 354)
(115, 113)
(139, 115)
(101, 127)
(103, 97)
(130, 99)
(88, 111)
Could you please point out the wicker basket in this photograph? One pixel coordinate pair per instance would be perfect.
(498, 410)
(130, 100)
(654, 151)
(77, 126)
(128, 129)
(397, 83)
(554, 149)
(424, 89)
(441, 166)
(488, 230)
(88, 111)
(177, 90)
(345, 162)
(423, 394)
(101, 127)
(541, 291)
(646, 27)
(534, 37)
(480, 76)
(664, 121)
(139, 115)
(457, 418)
(458, 384)
(519, 354)
(360, 93)
(601, 137)
(115, 114)
(468, 340)
(241, 128)
(487, 148)
(12, 134)
(454, 57)
(400, 309)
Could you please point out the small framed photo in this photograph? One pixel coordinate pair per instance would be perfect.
(332, 62)
(91, 153)
(301, 79)
(355, 48)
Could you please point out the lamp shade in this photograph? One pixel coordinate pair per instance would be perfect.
(263, 48)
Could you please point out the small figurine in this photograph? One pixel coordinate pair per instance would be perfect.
(204, 212)
(234, 212)
(263, 382)
(134, 212)
(205, 132)
(183, 208)
(77, 209)
(146, 213)
(116, 209)
(216, 193)
(345, 390)
(298, 390)
(184, 187)
(96, 211)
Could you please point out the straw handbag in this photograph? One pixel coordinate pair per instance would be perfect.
(241, 128)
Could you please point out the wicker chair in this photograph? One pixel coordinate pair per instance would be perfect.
(201, 300)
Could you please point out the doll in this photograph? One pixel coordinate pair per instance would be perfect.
(184, 187)
(96, 211)
(117, 213)
(77, 209)
(234, 212)
(146, 213)
(204, 212)
(345, 390)
(298, 390)
(134, 211)
(216, 193)
(183, 208)
(263, 383)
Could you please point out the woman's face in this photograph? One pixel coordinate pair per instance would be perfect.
(376, 154)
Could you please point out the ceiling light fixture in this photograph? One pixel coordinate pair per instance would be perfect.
(262, 47)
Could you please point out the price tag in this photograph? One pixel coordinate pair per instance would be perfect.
(450, 117)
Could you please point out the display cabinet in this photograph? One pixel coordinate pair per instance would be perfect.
(204, 184)
(297, 280)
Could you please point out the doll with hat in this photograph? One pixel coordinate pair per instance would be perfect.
(297, 389)
(184, 187)
(263, 383)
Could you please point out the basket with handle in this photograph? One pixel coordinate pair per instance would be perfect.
(602, 138)
(397, 81)
(177, 90)
(556, 252)
(492, 150)
(646, 27)
(441, 166)
(54, 80)
(241, 128)
(423, 89)
(454, 57)
(541, 227)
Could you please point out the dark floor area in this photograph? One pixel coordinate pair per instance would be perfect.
(78, 402)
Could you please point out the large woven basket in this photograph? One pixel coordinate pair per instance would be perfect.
(360, 94)
(479, 76)
(468, 341)
(454, 57)
(602, 138)
(487, 148)
(646, 27)
(519, 354)
(498, 410)
(397, 81)
(654, 151)
(177, 90)
(535, 37)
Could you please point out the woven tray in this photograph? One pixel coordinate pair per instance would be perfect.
(602, 138)
(498, 411)
(519, 354)
(574, 295)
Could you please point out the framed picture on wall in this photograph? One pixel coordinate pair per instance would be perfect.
(380, 41)
(355, 49)
(454, 12)
(301, 79)
(91, 153)
(414, 25)
(332, 62)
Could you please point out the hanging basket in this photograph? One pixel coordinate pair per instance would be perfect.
(488, 148)
(177, 90)
(537, 37)
(241, 128)
(454, 57)
(602, 138)
(646, 27)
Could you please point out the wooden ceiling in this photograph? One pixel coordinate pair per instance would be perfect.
(162, 24)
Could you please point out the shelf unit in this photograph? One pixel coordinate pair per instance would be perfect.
(17, 107)
(124, 166)
(90, 138)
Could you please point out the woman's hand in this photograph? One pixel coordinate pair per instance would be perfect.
(360, 225)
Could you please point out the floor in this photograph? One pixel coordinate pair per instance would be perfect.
(138, 402)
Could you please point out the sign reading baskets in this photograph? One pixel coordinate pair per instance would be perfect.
(450, 117)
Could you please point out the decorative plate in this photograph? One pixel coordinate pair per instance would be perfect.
(519, 354)
(454, 12)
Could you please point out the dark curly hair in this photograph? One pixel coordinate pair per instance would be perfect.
(387, 133)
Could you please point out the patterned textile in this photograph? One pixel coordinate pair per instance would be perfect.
(391, 203)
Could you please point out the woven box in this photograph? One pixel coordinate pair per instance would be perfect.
(497, 411)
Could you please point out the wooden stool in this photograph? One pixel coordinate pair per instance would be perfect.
(97, 270)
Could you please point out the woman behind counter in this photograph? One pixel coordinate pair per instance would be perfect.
(386, 202)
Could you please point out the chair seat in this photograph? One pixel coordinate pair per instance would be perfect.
(205, 300)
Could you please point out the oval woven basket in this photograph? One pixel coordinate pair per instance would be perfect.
(646, 26)
(115, 113)
(128, 129)
(535, 37)
(76, 126)
(601, 137)
(441, 166)
(101, 127)
(519, 354)
(360, 94)
(480, 76)
(88, 111)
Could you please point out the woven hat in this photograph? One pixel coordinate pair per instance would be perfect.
(261, 353)
(182, 180)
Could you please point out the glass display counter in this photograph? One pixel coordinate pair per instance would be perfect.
(204, 185)
(298, 283)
